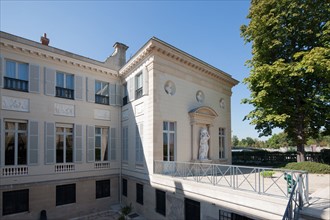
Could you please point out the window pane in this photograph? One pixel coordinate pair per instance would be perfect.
(69, 81)
(97, 130)
(69, 149)
(97, 87)
(60, 80)
(59, 148)
(15, 201)
(10, 69)
(171, 126)
(9, 148)
(10, 126)
(165, 147)
(59, 129)
(22, 126)
(105, 144)
(171, 147)
(23, 71)
(22, 149)
(165, 126)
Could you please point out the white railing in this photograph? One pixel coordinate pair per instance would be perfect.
(15, 171)
(63, 168)
(236, 177)
(101, 165)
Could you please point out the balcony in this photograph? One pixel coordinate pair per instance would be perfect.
(64, 168)
(64, 93)
(15, 171)
(101, 165)
(138, 93)
(16, 84)
(100, 99)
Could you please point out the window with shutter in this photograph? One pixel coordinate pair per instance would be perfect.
(34, 78)
(33, 142)
(16, 76)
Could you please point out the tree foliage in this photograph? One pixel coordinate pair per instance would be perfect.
(290, 67)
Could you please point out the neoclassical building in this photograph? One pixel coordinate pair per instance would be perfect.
(80, 135)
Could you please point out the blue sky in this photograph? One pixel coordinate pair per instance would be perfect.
(208, 30)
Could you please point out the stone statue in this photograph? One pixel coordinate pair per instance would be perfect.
(203, 145)
(169, 88)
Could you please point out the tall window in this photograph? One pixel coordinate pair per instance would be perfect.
(15, 201)
(161, 202)
(124, 187)
(64, 85)
(168, 140)
(101, 144)
(15, 142)
(138, 145)
(139, 86)
(102, 188)
(139, 193)
(65, 194)
(64, 143)
(102, 92)
(125, 94)
(222, 143)
(125, 144)
(16, 76)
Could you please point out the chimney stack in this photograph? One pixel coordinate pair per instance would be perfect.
(118, 57)
(44, 40)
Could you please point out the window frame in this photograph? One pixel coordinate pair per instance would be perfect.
(102, 99)
(17, 198)
(102, 188)
(16, 83)
(124, 187)
(160, 195)
(65, 194)
(139, 85)
(168, 132)
(139, 193)
(65, 134)
(64, 91)
(16, 135)
(107, 149)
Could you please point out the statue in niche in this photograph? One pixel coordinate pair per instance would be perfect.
(203, 145)
(169, 88)
(200, 96)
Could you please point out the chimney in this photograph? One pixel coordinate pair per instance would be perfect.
(44, 40)
(118, 57)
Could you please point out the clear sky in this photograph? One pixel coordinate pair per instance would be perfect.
(208, 30)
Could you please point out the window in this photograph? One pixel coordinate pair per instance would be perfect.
(222, 143)
(102, 188)
(125, 144)
(102, 92)
(101, 144)
(15, 143)
(15, 201)
(223, 215)
(124, 187)
(139, 86)
(138, 144)
(64, 143)
(192, 209)
(139, 193)
(16, 76)
(65, 194)
(161, 202)
(125, 94)
(168, 140)
(64, 85)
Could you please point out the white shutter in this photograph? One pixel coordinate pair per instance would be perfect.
(112, 94)
(50, 81)
(145, 81)
(78, 139)
(78, 87)
(1, 135)
(90, 90)
(119, 99)
(2, 70)
(113, 143)
(33, 142)
(34, 78)
(49, 142)
(90, 143)
(131, 89)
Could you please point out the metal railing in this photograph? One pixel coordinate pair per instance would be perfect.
(245, 178)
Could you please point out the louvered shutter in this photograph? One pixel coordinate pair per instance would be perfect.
(90, 90)
(1, 135)
(2, 70)
(145, 81)
(112, 94)
(49, 142)
(78, 139)
(34, 78)
(113, 143)
(119, 99)
(50, 81)
(33, 142)
(90, 143)
(78, 88)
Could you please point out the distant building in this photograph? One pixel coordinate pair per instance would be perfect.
(79, 135)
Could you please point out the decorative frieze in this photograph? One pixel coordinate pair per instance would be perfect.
(15, 104)
(63, 109)
(102, 114)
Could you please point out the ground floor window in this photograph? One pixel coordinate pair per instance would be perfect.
(224, 215)
(161, 202)
(124, 187)
(139, 193)
(15, 201)
(65, 194)
(192, 209)
(102, 188)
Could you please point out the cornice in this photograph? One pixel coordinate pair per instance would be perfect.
(55, 57)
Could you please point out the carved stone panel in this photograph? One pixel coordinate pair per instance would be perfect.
(102, 114)
(63, 109)
(15, 104)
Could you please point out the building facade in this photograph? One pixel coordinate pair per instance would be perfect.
(79, 135)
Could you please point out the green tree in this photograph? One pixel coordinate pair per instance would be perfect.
(235, 141)
(290, 68)
(278, 140)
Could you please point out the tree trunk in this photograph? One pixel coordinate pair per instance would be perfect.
(300, 152)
